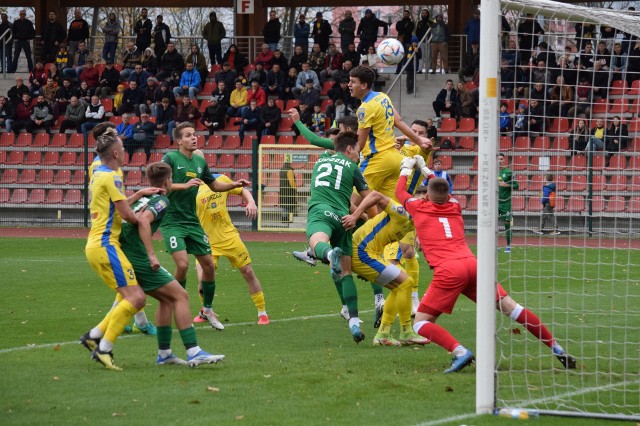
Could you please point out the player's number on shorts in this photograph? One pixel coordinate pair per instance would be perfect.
(447, 228)
(325, 170)
(173, 242)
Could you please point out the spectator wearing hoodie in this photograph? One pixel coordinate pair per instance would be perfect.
(189, 83)
(111, 30)
(271, 31)
(368, 30)
(347, 30)
(301, 32)
(214, 32)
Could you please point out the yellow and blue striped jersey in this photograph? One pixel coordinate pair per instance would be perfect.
(211, 208)
(106, 188)
(376, 114)
(386, 227)
(410, 149)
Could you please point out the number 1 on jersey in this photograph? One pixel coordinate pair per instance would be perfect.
(447, 228)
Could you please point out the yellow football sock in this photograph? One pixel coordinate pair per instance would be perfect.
(403, 303)
(389, 313)
(258, 300)
(412, 266)
(120, 316)
(104, 324)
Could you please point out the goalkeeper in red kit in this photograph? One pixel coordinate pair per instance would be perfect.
(440, 230)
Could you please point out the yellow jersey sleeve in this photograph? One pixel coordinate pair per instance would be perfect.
(376, 114)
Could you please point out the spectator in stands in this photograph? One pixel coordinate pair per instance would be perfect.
(579, 138)
(569, 74)
(199, 62)
(546, 54)
(111, 30)
(464, 103)
(505, 119)
(585, 58)
(351, 54)
(117, 98)
(108, 81)
(584, 99)
(78, 31)
(439, 41)
(422, 26)
(258, 74)
(287, 195)
(310, 95)
(301, 32)
(161, 92)
(521, 124)
(23, 32)
(347, 30)
(439, 173)
(332, 64)
(23, 115)
(143, 137)
(84, 93)
(413, 53)
(523, 80)
(165, 113)
(561, 99)
(6, 114)
(316, 59)
(80, 58)
(471, 64)
(150, 90)
(321, 31)
(63, 96)
(507, 80)
(298, 58)
(49, 90)
(131, 99)
(149, 61)
(161, 36)
(237, 61)
(318, 120)
(140, 76)
(94, 115)
(213, 116)
(125, 130)
(303, 76)
(432, 131)
(90, 75)
(237, 100)
(63, 60)
(600, 80)
(584, 34)
(16, 92)
(53, 33)
(540, 92)
(343, 72)
(598, 136)
(536, 117)
(548, 189)
(472, 29)
(142, 30)
(446, 100)
(256, 92)
(528, 32)
(541, 73)
(171, 63)
(189, 83)
(37, 79)
(187, 111)
(41, 116)
(280, 59)
(74, 116)
(214, 32)
(371, 57)
(340, 92)
(305, 116)
(617, 136)
(271, 31)
(633, 64)
(268, 119)
(54, 74)
(226, 74)
(603, 56)
(221, 94)
(511, 53)
(130, 58)
(405, 27)
(618, 63)
(274, 85)
(368, 30)
(607, 35)
(290, 84)
(6, 48)
(250, 116)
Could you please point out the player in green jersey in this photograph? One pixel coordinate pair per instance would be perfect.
(332, 182)
(506, 184)
(181, 229)
(155, 280)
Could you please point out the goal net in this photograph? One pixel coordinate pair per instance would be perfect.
(567, 86)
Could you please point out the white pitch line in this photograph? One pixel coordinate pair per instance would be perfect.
(448, 420)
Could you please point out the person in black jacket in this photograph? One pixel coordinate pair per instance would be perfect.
(271, 31)
(53, 33)
(165, 113)
(405, 27)
(6, 113)
(161, 36)
(78, 32)
(368, 31)
(347, 30)
(143, 137)
(237, 61)
(299, 57)
(268, 119)
(170, 63)
(321, 30)
(23, 32)
(226, 74)
(213, 116)
(446, 100)
(528, 33)
(142, 29)
(276, 78)
(131, 99)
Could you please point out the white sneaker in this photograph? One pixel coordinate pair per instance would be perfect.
(213, 320)
(345, 313)
(415, 302)
(203, 357)
(170, 359)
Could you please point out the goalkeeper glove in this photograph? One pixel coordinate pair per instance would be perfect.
(406, 166)
(426, 172)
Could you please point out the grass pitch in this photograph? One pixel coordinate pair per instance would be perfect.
(303, 368)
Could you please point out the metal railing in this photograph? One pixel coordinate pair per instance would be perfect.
(5, 39)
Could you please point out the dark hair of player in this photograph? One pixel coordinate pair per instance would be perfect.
(157, 173)
(439, 188)
(345, 140)
(333, 132)
(102, 127)
(105, 142)
(349, 122)
(421, 190)
(420, 123)
(501, 154)
(177, 132)
(364, 74)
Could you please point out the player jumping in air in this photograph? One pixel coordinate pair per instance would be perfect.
(440, 227)
(181, 229)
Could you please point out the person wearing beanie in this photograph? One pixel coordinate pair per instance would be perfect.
(368, 31)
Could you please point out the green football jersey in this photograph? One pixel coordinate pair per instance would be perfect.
(504, 192)
(333, 180)
(129, 237)
(182, 209)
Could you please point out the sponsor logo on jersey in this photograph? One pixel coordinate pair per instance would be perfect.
(180, 167)
(94, 215)
(160, 205)
(199, 169)
(191, 174)
(360, 115)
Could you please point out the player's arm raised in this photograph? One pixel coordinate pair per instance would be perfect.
(144, 230)
(406, 169)
(374, 198)
(399, 123)
(218, 186)
(252, 209)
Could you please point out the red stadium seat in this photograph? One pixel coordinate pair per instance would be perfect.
(467, 125)
(243, 161)
(139, 159)
(301, 140)
(597, 204)
(598, 162)
(36, 196)
(58, 140)
(77, 178)
(542, 143)
(63, 177)
(447, 125)
(517, 203)
(618, 87)
(24, 139)
(506, 143)
(233, 124)
(523, 143)
(76, 141)
(619, 106)
(41, 140)
(615, 205)
(461, 182)
(162, 142)
(268, 140)
(577, 163)
(560, 143)
(634, 163)
(241, 175)
(326, 86)
(447, 162)
(270, 199)
(232, 142)
(5, 195)
(561, 183)
(635, 88)
(54, 197)
(559, 125)
(34, 158)
(535, 183)
(473, 203)
(67, 159)
(534, 204)
(519, 162)
(473, 185)
(72, 196)
(557, 163)
(215, 142)
(247, 142)
(462, 200)
(575, 204)
(7, 139)
(599, 183)
(15, 158)
(226, 161)
(133, 178)
(107, 103)
(280, 104)
(578, 183)
(211, 159)
(115, 119)
(634, 205)
(474, 166)
(292, 103)
(207, 89)
(18, 196)
(285, 124)
(51, 158)
(9, 176)
(467, 142)
(617, 162)
(27, 177)
(285, 140)
(617, 183)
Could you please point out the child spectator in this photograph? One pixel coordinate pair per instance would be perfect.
(548, 201)
(505, 119)
(318, 119)
(438, 172)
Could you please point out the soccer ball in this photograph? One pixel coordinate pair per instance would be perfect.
(390, 51)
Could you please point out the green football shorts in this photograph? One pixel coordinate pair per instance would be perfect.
(190, 237)
(323, 218)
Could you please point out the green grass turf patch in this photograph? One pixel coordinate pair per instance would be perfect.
(302, 368)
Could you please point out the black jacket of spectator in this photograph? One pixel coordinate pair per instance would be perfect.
(110, 78)
(132, 97)
(619, 134)
(78, 30)
(229, 77)
(297, 60)
(143, 33)
(15, 94)
(172, 62)
(240, 61)
(405, 27)
(368, 28)
(354, 57)
(528, 33)
(160, 94)
(276, 79)
(271, 31)
(321, 33)
(347, 29)
(222, 97)
(165, 115)
(7, 111)
(214, 113)
(52, 32)
(23, 29)
(336, 92)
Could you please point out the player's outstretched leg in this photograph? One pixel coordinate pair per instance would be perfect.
(378, 300)
(441, 337)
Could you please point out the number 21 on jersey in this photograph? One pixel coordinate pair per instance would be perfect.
(325, 171)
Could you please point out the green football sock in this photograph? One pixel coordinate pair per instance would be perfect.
(507, 228)
(321, 249)
(164, 337)
(376, 289)
(338, 285)
(188, 336)
(208, 291)
(350, 294)
(183, 283)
